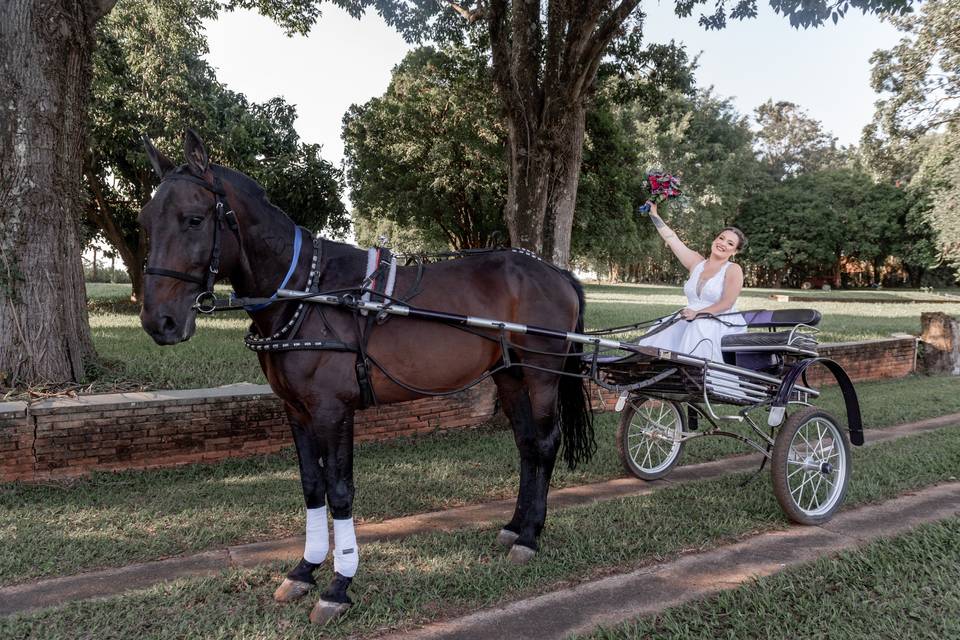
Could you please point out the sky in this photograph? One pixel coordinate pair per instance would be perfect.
(345, 61)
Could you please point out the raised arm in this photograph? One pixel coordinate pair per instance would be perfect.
(687, 256)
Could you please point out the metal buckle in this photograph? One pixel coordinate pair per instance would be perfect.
(206, 302)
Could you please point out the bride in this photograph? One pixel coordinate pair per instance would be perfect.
(712, 288)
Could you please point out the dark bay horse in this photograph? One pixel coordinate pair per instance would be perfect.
(206, 221)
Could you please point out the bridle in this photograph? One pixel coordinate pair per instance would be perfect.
(206, 299)
(222, 213)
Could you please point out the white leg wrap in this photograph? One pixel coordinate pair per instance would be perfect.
(346, 555)
(318, 537)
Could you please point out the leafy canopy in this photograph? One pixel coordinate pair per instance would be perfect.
(150, 77)
(429, 152)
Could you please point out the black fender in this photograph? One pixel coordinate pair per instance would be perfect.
(854, 419)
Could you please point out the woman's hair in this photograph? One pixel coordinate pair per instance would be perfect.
(740, 236)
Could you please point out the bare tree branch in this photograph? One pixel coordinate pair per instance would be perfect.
(469, 15)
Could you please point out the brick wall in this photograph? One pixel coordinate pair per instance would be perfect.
(67, 437)
(868, 360)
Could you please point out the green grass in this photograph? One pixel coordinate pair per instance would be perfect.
(904, 587)
(216, 355)
(113, 519)
(433, 576)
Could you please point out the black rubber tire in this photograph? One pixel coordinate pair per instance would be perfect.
(780, 468)
(626, 427)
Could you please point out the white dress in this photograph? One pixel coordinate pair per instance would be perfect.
(700, 337)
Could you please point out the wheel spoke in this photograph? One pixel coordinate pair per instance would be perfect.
(814, 495)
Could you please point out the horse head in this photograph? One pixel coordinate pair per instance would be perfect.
(184, 223)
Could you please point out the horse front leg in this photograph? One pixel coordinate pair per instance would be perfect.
(338, 474)
(299, 581)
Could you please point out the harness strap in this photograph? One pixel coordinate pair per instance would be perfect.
(216, 187)
(179, 275)
(297, 241)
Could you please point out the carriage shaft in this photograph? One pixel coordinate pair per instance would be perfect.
(455, 318)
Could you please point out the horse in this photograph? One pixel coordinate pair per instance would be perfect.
(206, 222)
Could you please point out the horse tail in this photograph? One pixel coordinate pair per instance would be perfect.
(573, 401)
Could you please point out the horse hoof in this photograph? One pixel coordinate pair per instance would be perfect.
(520, 554)
(290, 590)
(507, 537)
(323, 612)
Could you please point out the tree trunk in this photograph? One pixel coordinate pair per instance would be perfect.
(101, 214)
(45, 71)
(564, 180)
(545, 61)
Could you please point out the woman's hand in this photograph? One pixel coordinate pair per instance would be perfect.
(652, 211)
(689, 314)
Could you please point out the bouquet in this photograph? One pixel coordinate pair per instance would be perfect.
(663, 187)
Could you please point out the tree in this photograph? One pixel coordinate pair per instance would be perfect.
(914, 138)
(427, 154)
(789, 142)
(46, 51)
(936, 189)
(919, 78)
(800, 228)
(546, 57)
(141, 43)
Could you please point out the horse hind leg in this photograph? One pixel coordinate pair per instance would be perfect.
(300, 581)
(534, 426)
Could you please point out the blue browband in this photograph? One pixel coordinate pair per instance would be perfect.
(297, 241)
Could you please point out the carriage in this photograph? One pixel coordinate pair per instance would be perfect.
(666, 397)
(669, 398)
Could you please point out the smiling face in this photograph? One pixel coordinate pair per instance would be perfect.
(725, 245)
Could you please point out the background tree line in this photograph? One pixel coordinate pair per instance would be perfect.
(425, 161)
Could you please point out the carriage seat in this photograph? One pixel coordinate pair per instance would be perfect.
(753, 349)
(763, 318)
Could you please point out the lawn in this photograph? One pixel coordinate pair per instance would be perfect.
(113, 519)
(904, 587)
(434, 576)
(216, 355)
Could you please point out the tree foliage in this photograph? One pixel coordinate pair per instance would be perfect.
(919, 78)
(789, 142)
(802, 226)
(914, 138)
(546, 58)
(699, 137)
(149, 77)
(428, 154)
(936, 189)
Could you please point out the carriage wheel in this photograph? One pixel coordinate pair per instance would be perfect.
(810, 466)
(649, 437)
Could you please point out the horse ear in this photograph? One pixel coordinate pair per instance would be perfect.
(195, 153)
(161, 165)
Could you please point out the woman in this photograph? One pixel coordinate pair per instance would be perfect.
(712, 288)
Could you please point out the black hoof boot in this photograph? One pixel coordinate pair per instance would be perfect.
(298, 582)
(334, 602)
